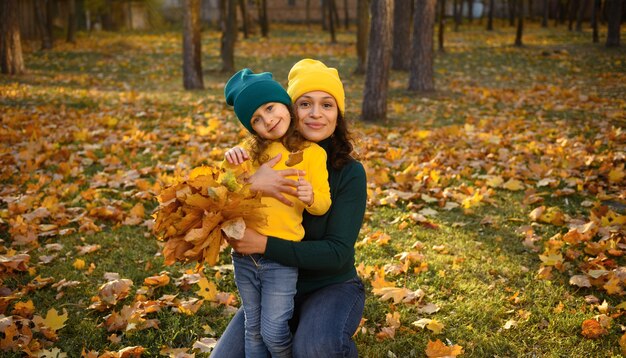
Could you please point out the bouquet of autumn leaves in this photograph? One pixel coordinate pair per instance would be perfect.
(196, 215)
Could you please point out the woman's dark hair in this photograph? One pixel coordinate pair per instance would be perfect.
(341, 146)
(292, 140)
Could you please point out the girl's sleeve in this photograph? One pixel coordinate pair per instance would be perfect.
(335, 248)
(317, 175)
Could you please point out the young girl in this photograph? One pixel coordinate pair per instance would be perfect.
(266, 287)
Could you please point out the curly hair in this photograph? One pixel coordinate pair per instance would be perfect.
(341, 148)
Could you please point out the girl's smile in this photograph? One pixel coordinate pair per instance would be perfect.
(271, 120)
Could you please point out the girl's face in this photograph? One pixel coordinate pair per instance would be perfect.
(317, 113)
(271, 120)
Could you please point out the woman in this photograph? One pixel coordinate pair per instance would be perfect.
(330, 296)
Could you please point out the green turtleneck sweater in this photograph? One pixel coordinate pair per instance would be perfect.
(326, 254)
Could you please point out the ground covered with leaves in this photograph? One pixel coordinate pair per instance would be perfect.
(496, 211)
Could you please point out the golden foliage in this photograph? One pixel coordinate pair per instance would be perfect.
(196, 215)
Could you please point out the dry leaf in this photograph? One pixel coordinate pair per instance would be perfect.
(234, 228)
(294, 158)
(592, 329)
(438, 349)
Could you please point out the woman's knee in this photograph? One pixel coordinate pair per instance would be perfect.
(324, 346)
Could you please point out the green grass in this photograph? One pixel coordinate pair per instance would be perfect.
(550, 102)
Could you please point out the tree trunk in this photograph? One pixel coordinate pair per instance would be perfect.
(107, 16)
(594, 20)
(192, 54)
(346, 14)
(520, 23)
(614, 14)
(512, 12)
(490, 19)
(374, 107)
(244, 18)
(442, 23)
(362, 31)
(308, 14)
(581, 13)
(71, 21)
(422, 72)
(559, 12)
(457, 7)
(41, 14)
(229, 35)
(334, 13)
(546, 13)
(470, 11)
(401, 48)
(331, 21)
(11, 61)
(573, 7)
(530, 10)
(564, 6)
(263, 19)
(324, 12)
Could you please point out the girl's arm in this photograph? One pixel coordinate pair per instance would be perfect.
(317, 176)
(329, 239)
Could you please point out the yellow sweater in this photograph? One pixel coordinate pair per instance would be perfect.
(286, 221)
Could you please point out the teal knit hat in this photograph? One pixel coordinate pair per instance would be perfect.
(247, 91)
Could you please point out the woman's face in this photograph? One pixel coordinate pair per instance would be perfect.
(317, 113)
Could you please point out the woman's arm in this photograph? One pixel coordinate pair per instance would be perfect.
(330, 238)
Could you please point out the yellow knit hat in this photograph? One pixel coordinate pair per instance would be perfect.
(312, 75)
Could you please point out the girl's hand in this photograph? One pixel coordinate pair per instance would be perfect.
(251, 243)
(236, 155)
(305, 192)
(274, 183)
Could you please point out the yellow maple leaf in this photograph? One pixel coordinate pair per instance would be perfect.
(379, 280)
(612, 286)
(435, 326)
(53, 320)
(494, 181)
(513, 185)
(208, 289)
(79, 264)
(159, 280)
(201, 171)
(473, 200)
(551, 259)
(24, 309)
(438, 349)
(617, 174)
(138, 211)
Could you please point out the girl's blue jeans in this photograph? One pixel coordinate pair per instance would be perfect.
(266, 289)
(323, 324)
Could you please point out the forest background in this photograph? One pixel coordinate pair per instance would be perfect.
(496, 200)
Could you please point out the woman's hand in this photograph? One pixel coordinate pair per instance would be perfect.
(251, 243)
(274, 183)
(236, 155)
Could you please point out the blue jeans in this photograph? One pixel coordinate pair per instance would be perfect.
(324, 320)
(267, 289)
